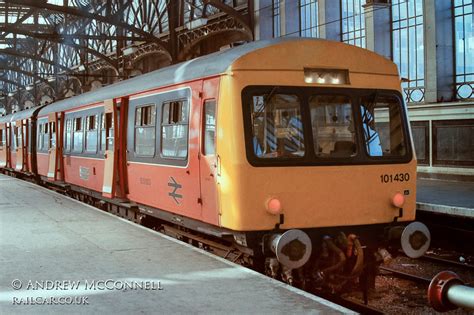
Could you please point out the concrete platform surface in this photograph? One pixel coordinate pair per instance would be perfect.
(447, 197)
(60, 256)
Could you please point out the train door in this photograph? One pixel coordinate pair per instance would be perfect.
(3, 145)
(109, 119)
(55, 169)
(208, 156)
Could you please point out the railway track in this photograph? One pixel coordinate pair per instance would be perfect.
(425, 280)
(404, 275)
(437, 259)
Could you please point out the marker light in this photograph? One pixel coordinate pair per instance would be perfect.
(398, 200)
(326, 76)
(274, 206)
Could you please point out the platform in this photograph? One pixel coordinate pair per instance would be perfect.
(60, 248)
(446, 197)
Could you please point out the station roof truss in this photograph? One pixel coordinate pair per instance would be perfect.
(47, 44)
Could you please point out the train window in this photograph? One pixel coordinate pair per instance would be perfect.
(145, 130)
(174, 129)
(52, 135)
(382, 126)
(332, 124)
(210, 127)
(19, 138)
(24, 135)
(102, 132)
(78, 135)
(45, 138)
(107, 132)
(39, 136)
(91, 134)
(15, 138)
(277, 126)
(67, 136)
(2, 136)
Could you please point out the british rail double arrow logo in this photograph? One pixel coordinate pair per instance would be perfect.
(173, 183)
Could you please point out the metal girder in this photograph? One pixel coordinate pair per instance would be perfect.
(19, 21)
(231, 12)
(43, 5)
(56, 40)
(64, 37)
(16, 53)
(11, 82)
(94, 33)
(19, 70)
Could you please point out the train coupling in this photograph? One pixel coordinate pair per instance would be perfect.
(448, 292)
(291, 248)
(414, 239)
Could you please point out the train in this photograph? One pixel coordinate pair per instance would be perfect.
(296, 151)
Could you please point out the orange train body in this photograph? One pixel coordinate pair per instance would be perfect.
(204, 140)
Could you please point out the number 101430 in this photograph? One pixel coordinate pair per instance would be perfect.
(390, 178)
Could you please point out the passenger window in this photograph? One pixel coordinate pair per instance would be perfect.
(23, 135)
(277, 126)
(19, 137)
(45, 139)
(382, 126)
(333, 126)
(39, 137)
(174, 129)
(210, 127)
(2, 136)
(15, 138)
(67, 136)
(145, 122)
(108, 135)
(102, 133)
(78, 135)
(91, 134)
(52, 134)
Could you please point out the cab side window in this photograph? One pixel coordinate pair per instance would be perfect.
(209, 126)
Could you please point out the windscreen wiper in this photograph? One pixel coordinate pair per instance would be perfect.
(268, 98)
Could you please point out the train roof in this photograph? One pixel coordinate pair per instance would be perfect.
(205, 66)
(27, 113)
